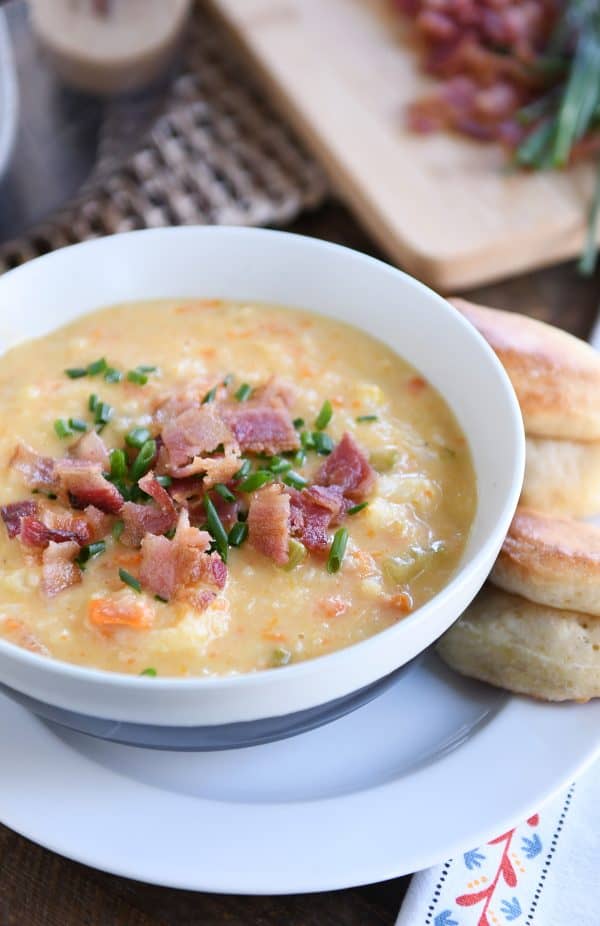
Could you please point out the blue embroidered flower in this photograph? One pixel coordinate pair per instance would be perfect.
(533, 846)
(473, 859)
(511, 909)
(443, 919)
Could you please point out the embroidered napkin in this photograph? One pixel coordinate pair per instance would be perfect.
(545, 872)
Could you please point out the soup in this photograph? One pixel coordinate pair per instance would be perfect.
(202, 488)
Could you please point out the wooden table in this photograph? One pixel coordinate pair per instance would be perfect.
(38, 888)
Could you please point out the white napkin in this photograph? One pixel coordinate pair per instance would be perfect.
(545, 872)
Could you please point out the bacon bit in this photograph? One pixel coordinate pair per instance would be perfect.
(215, 469)
(334, 605)
(151, 487)
(140, 520)
(309, 520)
(402, 601)
(108, 614)
(174, 567)
(13, 514)
(91, 448)
(276, 392)
(39, 472)
(262, 428)
(194, 433)
(58, 569)
(85, 485)
(348, 468)
(416, 384)
(20, 634)
(99, 522)
(268, 522)
(34, 533)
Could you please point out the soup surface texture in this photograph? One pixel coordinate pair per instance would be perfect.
(202, 488)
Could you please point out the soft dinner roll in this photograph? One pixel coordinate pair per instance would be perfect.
(552, 561)
(562, 477)
(528, 648)
(555, 375)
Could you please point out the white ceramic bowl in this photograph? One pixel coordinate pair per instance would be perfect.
(270, 266)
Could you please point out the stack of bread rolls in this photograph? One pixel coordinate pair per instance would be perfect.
(535, 627)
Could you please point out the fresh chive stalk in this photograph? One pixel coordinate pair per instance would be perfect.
(337, 550)
(143, 461)
(324, 416)
(238, 534)
(216, 529)
(243, 393)
(130, 580)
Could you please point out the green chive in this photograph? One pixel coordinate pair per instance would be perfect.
(216, 529)
(130, 580)
(228, 379)
(238, 533)
(76, 372)
(103, 412)
(356, 508)
(160, 598)
(150, 672)
(256, 480)
(98, 366)
(164, 481)
(61, 426)
(78, 424)
(243, 393)
(118, 464)
(210, 396)
(362, 418)
(298, 422)
(138, 437)
(338, 548)
(324, 416)
(147, 368)
(281, 656)
(143, 461)
(323, 443)
(299, 458)
(113, 376)
(170, 533)
(307, 440)
(224, 492)
(295, 480)
(242, 515)
(243, 470)
(117, 529)
(589, 257)
(93, 402)
(137, 377)
(87, 553)
(279, 465)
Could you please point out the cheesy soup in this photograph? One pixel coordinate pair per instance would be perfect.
(203, 488)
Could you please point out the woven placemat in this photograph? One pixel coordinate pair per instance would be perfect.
(217, 154)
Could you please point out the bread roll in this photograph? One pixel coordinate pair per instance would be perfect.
(562, 477)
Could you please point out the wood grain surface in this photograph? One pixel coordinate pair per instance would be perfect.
(38, 888)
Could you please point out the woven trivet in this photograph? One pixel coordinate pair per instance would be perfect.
(218, 154)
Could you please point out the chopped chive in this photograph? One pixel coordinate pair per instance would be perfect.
(295, 480)
(92, 402)
(279, 465)
(299, 458)
(160, 598)
(281, 656)
(118, 464)
(242, 515)
(256, 480)
(324, 416)
(243, 470)
(62, 429)
(323, 443)
(147, 368)
(143, 461)
(76, 372)
(137, 377)
(210, 396)
(130, 580)
(307, 440)
(238, 533)
(137, 437)
(297, 553)
(98, 366)
(298, 422)
(338, 548)
(164, 481)
(78, 424)
(113, 376)
(243, 393)
(87, 553)
(170, 533)
(228, 379)
(216, 529)
(362, 418)
(117, 529)
(356, 508)
(150, 672)
(224, 492)
(103, 412)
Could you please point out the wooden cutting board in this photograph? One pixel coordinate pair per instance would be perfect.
(446, 209)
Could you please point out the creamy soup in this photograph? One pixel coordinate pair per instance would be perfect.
(204, 487)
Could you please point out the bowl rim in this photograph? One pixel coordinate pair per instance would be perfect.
(464, 574)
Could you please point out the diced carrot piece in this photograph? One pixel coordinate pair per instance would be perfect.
(334, 606)
(109, 613)
(402, 601)
(416, 384)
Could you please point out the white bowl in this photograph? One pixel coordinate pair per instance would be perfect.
(270, 266)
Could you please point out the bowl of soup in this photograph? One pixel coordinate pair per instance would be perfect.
(247, 477)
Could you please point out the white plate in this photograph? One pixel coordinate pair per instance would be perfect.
(434, 767)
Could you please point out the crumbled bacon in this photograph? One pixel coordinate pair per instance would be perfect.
(268, 522)
(276, 391)
(172, 567)
(214, 469)
(309, 520)
(91, 448)
(196, 432)
(13, 514)
(38, 471)
(99, 522)
(58, 569)
(84, 484)
(34, 533)
(261, 428)
(139, 520)
(348, 468)
(158, 493)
